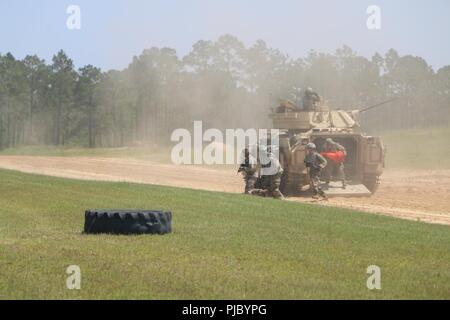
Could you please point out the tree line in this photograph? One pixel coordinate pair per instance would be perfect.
(224, 83)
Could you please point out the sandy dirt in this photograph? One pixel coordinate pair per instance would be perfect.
(415, 195)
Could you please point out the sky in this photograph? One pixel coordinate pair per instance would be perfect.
(113, 31)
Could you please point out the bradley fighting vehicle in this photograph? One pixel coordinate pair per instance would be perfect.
(365, 154)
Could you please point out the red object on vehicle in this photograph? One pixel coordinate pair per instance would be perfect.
(337, 157)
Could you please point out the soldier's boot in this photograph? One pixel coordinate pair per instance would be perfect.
(323, 195)
(250, 185)
(315, 194)
(249, 188)
(278, 195)
(258, 192)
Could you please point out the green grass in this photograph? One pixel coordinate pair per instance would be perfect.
(222, 246)
(154, 154)
(158, 154)
(418, 148)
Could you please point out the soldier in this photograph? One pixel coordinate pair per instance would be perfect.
(249, 170)
(271, 177)
(334, 165)
(310, 100)
(275, 177)
(315, 162)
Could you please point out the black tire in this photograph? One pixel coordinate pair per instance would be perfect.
(371, 182)
(127, 221)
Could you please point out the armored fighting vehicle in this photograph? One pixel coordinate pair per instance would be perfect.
(365, 154)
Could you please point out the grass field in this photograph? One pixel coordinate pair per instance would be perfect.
(222, 246)
(418, 148)
(158, 154)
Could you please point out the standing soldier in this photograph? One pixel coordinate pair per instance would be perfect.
(249, 170)
(331, 146)
(310, 100)
(315, 162)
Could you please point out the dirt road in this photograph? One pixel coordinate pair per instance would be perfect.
(415, 195)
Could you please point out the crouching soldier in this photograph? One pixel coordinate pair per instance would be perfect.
(271, 172)
(248, 168)
(315, 162)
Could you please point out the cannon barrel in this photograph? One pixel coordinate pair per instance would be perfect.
(375, 105)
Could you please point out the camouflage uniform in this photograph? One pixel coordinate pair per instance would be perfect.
(274, 185)
(334, 166)
(315, 162)
(270, 179)
(249, 170)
